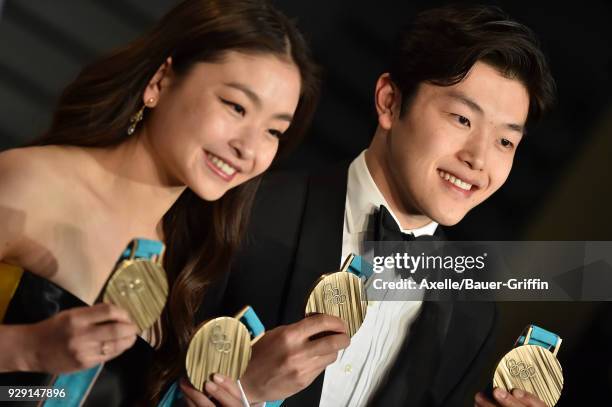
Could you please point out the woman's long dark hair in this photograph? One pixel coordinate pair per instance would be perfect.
(95, 110)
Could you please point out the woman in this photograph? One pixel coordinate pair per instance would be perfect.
(163, 139)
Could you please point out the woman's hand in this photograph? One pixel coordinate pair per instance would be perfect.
(80, 338)
(222, 389)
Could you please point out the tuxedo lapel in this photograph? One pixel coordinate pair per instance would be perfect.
(471, 325)
(411, 376)
(442, 344)
(318, 252)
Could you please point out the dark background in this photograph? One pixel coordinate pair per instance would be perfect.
(559, 188)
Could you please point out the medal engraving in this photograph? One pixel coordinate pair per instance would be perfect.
(219, 340)
(333, 295)
(520, 369)
(130, 287)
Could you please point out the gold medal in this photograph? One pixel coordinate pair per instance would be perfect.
(341, 294)
(222, 345)
(139, 284)
(532, 367)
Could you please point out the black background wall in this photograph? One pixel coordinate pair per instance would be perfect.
(560, 186)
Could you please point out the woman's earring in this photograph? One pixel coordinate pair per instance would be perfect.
(137, 117)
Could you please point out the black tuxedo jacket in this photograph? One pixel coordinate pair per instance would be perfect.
(295, 235)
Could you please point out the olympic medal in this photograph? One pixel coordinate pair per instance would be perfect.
(340, 294)
(533, 369)
(140, 287)
(221, 345)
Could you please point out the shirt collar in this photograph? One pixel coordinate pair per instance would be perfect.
(363, 199)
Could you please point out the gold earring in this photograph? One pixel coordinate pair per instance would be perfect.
(137, 117)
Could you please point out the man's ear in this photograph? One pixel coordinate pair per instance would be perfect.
(387, 99)
(160, 80)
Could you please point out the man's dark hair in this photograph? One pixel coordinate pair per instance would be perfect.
(442, 45)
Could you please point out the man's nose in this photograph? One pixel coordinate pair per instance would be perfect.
(474, 151)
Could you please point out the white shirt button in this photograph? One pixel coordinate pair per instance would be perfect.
(348, 368)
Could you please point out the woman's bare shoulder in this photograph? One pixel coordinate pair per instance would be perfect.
(22, 172)
(33, 179)
(30, 170)
(31, 182)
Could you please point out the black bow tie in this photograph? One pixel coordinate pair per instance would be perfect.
(387, 230)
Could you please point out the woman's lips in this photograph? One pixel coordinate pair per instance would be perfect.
(220, 167)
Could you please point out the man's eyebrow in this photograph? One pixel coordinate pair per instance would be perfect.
(466, 101)
(462, 98)
(256, 99)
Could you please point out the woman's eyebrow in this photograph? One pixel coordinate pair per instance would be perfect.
(254, 97)
(247, 91)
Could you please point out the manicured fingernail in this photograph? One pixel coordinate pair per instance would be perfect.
(500, 393)
(218, 378)
(518, 393)
(211, 387)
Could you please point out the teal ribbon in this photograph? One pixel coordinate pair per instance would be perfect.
(540, 337)
(360, 267)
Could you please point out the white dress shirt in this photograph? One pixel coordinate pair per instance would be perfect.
(359, 369)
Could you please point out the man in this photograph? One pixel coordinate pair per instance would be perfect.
(462, 84)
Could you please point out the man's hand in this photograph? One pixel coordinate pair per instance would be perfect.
(518, 398)
(288, 358)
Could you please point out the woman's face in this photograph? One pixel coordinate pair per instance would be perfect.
(219, 125)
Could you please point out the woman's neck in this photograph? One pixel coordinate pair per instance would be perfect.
(130, 182)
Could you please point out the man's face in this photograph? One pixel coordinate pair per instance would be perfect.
(453, 147)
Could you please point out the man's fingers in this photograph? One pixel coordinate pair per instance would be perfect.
(481, 401)
(518, 398)
(506, 399)
(326, 345)
(321, 362)
(319, 323)
(527, 399)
